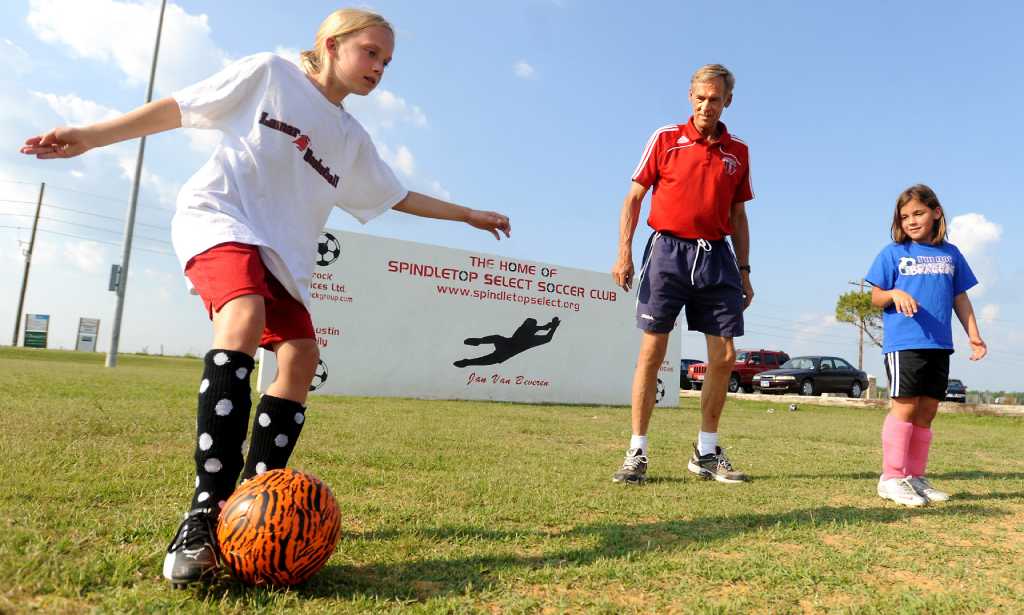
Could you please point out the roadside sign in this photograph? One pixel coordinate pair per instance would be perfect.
(36, 328)
(88, 331)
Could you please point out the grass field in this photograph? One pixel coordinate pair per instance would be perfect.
(454, 507)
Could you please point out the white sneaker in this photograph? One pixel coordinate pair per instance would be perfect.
(900, 490)
(925, 489)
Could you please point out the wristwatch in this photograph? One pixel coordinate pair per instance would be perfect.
(745, 268)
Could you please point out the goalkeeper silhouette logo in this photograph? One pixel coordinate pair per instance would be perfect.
(524, 338)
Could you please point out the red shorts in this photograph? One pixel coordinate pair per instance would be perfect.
(230, 270)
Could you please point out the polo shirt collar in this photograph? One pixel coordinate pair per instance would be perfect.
(694, 135)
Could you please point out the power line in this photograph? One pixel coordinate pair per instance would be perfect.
(82, 212)
(94, 195)
(17, 203)
(80, 225)
(111, 243)
(797, 331)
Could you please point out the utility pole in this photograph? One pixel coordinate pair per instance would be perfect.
(28, 263)
(129, 225)
(860, 326)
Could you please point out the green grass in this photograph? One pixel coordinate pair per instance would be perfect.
(458, 507)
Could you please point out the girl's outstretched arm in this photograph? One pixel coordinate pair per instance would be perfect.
(428, 207)
(965, 312)
(68, 141)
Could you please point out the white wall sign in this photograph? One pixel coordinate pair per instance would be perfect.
(88, 331)
(402, 319)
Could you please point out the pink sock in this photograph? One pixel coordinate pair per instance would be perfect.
(895, 444)
(917, 454)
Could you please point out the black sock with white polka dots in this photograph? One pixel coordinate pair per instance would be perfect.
(224, 405)
(275, 429)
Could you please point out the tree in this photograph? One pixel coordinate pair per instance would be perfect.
(856, 309)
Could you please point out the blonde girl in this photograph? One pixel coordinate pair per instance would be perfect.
(245, 228)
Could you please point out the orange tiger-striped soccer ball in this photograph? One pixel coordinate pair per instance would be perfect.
(278, 528)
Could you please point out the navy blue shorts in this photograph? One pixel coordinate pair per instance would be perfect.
(701, 275)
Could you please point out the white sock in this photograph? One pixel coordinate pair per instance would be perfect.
(639, 442)
(706, 442)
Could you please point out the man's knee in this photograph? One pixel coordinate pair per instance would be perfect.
(722, 362)
(721, 353)
(652, 349)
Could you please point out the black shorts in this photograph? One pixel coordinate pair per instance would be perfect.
(913, 373)
(697, 274)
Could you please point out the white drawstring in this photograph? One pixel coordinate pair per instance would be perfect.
(702, 244)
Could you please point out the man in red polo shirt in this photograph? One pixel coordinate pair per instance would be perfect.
(700, 175)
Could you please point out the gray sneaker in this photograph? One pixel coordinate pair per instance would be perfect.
(715, 466)
(634, 468)
(900, 490)
(925, 489)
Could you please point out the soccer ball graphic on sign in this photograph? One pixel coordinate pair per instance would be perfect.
(320, 377)
(661, 392)
(328, 249)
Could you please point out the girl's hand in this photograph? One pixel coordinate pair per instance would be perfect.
(978, 349)
(491, 222)
(904, 303)
(63, 142)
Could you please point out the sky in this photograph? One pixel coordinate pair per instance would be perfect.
(540, 109)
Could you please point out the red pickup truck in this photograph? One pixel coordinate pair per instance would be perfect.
(749, 363)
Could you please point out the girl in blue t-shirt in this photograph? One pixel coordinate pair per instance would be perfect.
(919, 281)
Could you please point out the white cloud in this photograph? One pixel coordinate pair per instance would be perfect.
(988, 313)
(289, 53)
(44, 252)
(385, 109)
(76, 174)
(973, 233)
(404, 161)
(123, 33)
(976, 237)
(434, 188)
(76, 111)
(813, 325)
(202, 142)
(523, 70)
(162, 281)
(14, 59)
(165, 191)
(87, 256)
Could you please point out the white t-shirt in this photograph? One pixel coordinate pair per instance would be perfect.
(286, 158)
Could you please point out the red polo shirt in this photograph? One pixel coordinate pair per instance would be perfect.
(695, 184)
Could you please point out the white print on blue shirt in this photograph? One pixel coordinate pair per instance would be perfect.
(941, 265)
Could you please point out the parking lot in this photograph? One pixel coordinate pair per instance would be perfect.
(830, 400)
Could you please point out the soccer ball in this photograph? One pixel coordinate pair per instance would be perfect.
(328, 249)
(320, 377)
(661, 392)
(907, 264)
(278, 528)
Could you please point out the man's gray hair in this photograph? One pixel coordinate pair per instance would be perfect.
(711, 71)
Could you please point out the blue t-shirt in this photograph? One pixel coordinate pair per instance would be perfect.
(933, 276)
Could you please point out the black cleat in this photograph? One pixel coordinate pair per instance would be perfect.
(192, 555)
(634, 468)
(715, 466)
